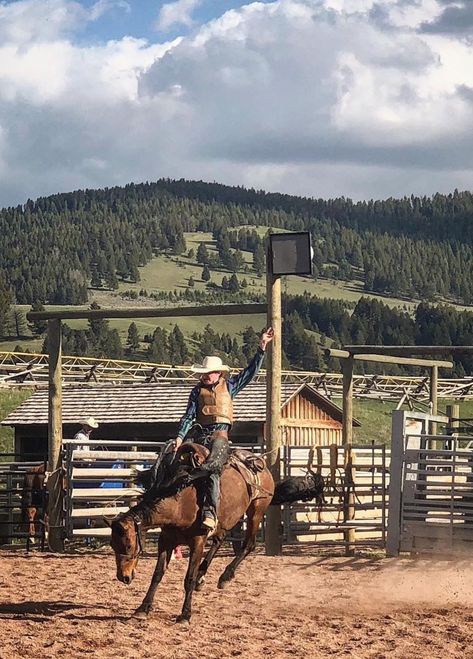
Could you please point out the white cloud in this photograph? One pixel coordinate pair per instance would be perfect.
(178, 12)
(319, 97)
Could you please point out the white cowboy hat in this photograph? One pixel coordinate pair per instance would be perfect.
(89, 421)
(210, 364)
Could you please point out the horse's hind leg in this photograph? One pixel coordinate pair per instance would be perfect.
(196, 550)
(217, 540)
(254, 516)
(166, 545)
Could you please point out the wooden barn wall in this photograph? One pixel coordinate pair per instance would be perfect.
(306, 424)
(310, 436)
(301, 407)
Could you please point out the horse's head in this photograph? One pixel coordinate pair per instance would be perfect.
(126, 542)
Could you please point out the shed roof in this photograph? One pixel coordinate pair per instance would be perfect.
(151, 403)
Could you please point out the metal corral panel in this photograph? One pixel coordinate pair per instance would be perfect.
(431, 495)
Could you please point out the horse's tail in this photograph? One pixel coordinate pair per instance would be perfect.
(300, 488)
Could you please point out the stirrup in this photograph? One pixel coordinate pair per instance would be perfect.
(209, 523)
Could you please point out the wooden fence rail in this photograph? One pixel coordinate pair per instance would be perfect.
(26, 369)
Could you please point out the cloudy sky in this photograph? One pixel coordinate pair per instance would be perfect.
(362, 98)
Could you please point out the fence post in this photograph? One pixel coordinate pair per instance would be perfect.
(273, 540)
(55, 480)
(453, 413)
(433, 396)
(347, 433)
(395, 484)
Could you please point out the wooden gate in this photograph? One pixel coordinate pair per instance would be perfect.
(431, 489)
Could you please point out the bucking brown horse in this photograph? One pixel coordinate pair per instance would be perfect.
(179, 517)
(33, 499)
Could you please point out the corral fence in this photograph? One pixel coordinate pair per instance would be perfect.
(27, 369)
(12, 528)
(99, 483)
(367, 481)
(431, 491)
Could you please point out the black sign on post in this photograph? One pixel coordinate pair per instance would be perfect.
(290, 254)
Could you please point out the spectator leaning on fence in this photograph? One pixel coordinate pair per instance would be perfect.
(87, 425)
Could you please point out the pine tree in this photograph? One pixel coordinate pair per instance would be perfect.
(205, 276)
(133, 339)
(191, 282)
(202, 254)
(250, 342)
(18, 322)
(158, 350)
(233, 284)
(259, 260)
(177, 347)
(38, 327)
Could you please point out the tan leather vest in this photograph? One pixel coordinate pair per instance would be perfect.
(215, 405)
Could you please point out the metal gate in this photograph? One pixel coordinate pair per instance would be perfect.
(369, 478)
(431, 489)
(11, 487)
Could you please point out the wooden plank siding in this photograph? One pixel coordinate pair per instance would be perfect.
(306, 423)
(153, 411)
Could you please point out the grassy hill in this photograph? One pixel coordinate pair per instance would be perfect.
(166, 273)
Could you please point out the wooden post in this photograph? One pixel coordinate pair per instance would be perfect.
(55, 501)
(273, 540)
(453, 413)
(433, 396)
(347, 427)
(347, 435)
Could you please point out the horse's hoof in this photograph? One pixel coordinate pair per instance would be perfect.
(222, 584)
(140, 614)
(183, 621)
(200, 584)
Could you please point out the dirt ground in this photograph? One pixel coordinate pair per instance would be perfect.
(290, 606)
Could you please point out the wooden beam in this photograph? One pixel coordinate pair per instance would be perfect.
(273, 540)
(311, 423)
(387, 359)
(54, 484)
(409, 350)
(147, 312)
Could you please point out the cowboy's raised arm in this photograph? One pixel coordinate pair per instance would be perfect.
(189, 415)
(239, 382)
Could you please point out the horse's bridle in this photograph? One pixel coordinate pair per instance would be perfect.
(139, 541)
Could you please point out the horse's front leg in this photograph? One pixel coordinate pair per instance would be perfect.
(196, 551)
(165, 549)
(204, 566)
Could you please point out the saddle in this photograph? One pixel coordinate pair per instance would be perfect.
(195, 455)
(185, 467)
(254, 463)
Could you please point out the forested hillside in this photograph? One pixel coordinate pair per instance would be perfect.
(53, 248)
(58, 249)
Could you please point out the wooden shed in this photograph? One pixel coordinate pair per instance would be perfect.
(153, 411)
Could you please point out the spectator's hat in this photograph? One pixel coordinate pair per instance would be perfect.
(89, 421)
(209, 365)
